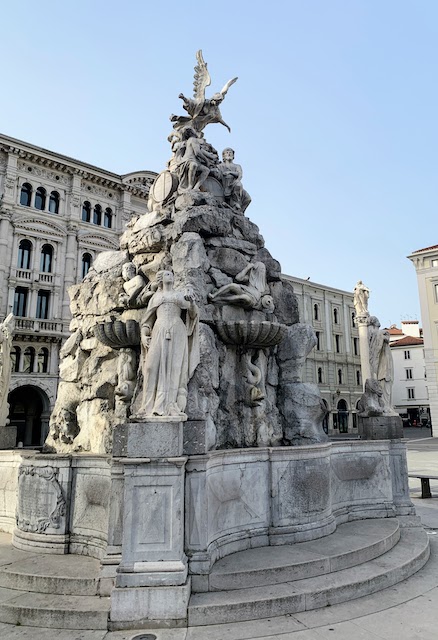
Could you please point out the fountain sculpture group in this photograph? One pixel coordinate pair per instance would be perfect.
(182, 382)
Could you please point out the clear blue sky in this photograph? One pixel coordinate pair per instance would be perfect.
(333, 118)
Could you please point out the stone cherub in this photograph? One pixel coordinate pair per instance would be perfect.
(202, 111)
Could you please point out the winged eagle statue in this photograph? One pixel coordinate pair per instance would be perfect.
(202, 111)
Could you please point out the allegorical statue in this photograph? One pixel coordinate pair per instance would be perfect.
(202, 111)
(360, 298)
(192, 161)
(6, 334)
(248, 291)
(170, 349)
(381, 363)
(230, 175)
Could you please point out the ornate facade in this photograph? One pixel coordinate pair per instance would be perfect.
(334, 364)
(56, 215)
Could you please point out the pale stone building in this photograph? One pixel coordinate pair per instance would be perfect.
(425, 262)
(409, 392)
(56, 214)
(334, 364)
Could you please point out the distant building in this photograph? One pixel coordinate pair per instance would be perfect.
(425, 262)
(56, 215)
(409, 393)
(334, 364)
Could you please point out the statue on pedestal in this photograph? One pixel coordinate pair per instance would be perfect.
(381, 363)
(6, 334)
(170, 349)
(360, 299)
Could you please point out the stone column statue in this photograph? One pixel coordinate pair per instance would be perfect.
(360, 299)
(6, 334)
(170, 349)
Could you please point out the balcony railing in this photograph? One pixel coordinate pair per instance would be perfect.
(36, 325)
(37, 276)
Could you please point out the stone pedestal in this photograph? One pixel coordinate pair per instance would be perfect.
(8, 437)
(380, 428)
(152, 585)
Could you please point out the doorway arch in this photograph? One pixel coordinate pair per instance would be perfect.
(29, 411)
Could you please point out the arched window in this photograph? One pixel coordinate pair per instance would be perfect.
(315, 312)
(15, 357)
(24, 254)
(86, 212)
(54, 202)
(318, 340)
(43, 360)
(97, 214)
(28, 360)
(335, 316)
(26, 194)
(108, 218)
(319, 375)
(40, 199)
(339, 376)
(358, 380)
(46, 258)
(353, 315)
(86, 264)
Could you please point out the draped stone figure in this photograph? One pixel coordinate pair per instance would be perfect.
(170, 349)
(360, 299)
(381, 363)
(6, 334)
(248, 291)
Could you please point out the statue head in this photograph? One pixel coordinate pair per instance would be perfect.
(216, 98)
(228, 154)
(164, 277)
(374, 322)
(129, 270)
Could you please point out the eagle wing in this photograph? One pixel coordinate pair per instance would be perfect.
(201, 79)
(227, 86)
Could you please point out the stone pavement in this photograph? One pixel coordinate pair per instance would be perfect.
(406, 611)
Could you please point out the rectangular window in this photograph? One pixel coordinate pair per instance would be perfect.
(434, 263)
(20, 302)
(411, 394)
(407, 355)
(356, 346)
(409, 375)
(42, 310)
(338, 343)
(435, 287)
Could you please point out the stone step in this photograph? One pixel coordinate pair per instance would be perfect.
(351, 544)
(63, 575)
(53, 612)
(397, 564)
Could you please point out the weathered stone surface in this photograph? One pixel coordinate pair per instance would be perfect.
(219, 277)
(303, 412)
(227, 260)
(244, 229)
(273, 267)
(109, 260)
(286, 305)
(205, 220)
(233, 243)
(293, 351)
(380, 427)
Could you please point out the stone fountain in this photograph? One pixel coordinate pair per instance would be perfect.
(183, 431)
